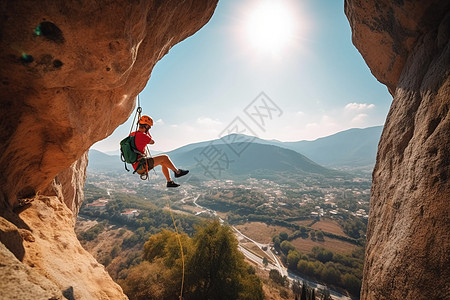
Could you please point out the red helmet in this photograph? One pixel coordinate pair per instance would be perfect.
(146, 120)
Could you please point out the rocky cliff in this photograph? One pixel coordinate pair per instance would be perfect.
(70, 73)
(406, 45)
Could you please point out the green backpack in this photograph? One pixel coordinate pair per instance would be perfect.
(129, 153)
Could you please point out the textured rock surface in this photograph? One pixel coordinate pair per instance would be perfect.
(406, 45)
(19, 281)
(70, 74)
(385, 32)
(69, 77)
(50, 247)
(69, 183)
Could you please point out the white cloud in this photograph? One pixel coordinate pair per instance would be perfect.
(160, 122)
(359, 106)
(359, 119)
(206, 121)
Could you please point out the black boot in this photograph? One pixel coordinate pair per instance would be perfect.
(182, 173)
(172, 184)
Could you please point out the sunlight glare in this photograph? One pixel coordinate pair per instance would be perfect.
(270, 27)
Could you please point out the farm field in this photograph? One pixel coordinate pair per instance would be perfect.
(306, 245)
(176, 211)
(303, 222)
(261, 232)
(330, 226)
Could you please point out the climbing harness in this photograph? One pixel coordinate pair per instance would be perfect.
(128, 145)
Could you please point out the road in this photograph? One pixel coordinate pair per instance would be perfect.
(259, 261)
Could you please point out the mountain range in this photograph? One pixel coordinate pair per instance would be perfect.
(241, 155)
(256, 160)
(353, 148)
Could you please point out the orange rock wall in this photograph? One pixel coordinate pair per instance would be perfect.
(70, 72)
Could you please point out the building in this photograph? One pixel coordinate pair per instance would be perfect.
(99, 204)
(130, 213)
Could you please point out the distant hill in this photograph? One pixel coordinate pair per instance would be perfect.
(353, 149)
(257, 160)
(350, 149)
(99, 161)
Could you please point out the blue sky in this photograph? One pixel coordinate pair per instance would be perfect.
(299, 53)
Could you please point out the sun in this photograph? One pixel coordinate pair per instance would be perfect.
(270, 27)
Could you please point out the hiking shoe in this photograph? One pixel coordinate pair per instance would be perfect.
(172, 184)
(182, 173)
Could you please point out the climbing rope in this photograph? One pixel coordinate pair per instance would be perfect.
(145, 176)
(137, 114)
(137, 117)
(181, 247)
(147, 152)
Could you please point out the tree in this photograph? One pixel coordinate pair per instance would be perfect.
(292, 259)
(106, 260)
(92, 232)
(115, 251)
(265, 261)
(317, 267)
(330, 274)
(214, 267)
(319, 235)
(286, 247)
(313, 294)
(276, 241)
(324, 255)
(217, 269)
(302, 266)
(251, 288)
(283, 236)
(165, 245)
(304, 292)
(276, 277)
(150, 281)
(351, 283)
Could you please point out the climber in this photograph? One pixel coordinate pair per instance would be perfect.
(144, 164)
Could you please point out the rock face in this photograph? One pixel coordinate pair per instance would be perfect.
(70, 74)
(19, 281)
(52, 257)
(69, 183)
(406, 45)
